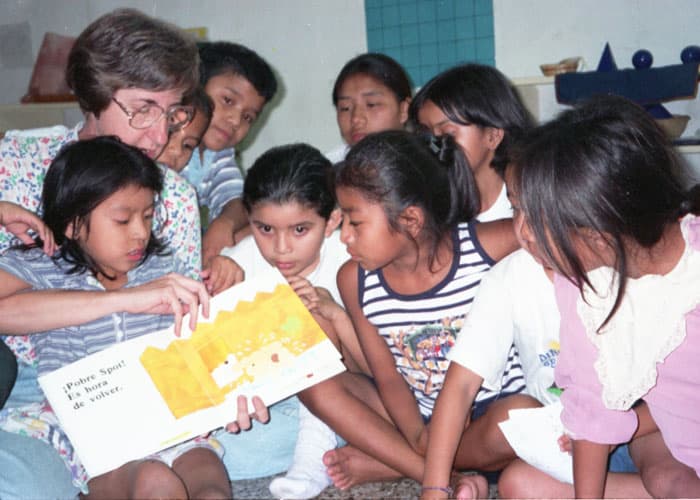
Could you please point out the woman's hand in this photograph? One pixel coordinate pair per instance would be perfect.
(171, 294)
(243, 420)
(221, 274)
(19, 221)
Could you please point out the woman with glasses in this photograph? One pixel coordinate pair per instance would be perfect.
(129, 73)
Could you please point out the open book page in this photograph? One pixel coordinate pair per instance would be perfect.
(152, 392)
(533, 435)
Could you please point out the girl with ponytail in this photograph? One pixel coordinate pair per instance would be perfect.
(415, 267)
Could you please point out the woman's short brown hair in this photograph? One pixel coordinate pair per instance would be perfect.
(128, 49)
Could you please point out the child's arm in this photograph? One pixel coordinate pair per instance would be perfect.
(497, 238)
(221, 274)
(221, 230)
(393, 389)
(590, 468)
(19, 221)
(450, 419)
(25, 311)
(319, 300)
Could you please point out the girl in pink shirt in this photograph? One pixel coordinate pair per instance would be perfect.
(600, 202)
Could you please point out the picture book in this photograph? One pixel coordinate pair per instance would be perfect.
(141, 396)
(533, 434)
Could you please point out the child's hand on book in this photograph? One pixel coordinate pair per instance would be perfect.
(243, 421)
(171, 294)
(305, 290)
(222, 273)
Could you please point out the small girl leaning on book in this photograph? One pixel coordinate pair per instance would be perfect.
(110, 280)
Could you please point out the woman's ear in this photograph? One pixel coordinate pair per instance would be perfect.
(403, 110)
(333, 221)
(412, 219)
(494, 137)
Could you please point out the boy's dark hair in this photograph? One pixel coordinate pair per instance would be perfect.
(83, 175)
(603, 167)
(201, 103)
(475, 94)
(128, 49)
(398, 169)
(217, 58)
(291, 173)
(382, 68)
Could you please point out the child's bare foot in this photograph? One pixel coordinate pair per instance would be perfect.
(348, 466)
(469, 486)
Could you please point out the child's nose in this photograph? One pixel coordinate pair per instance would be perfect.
(234, 117)
(281, 243)
(358, 114)
(141, 228)
(345, 231)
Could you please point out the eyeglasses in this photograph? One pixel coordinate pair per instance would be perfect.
(177, 116)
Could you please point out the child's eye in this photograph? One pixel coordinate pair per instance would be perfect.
(373, 104)
(248, 118)
(264, 228)
(122, 222)
(227, 100)
(342, 109)
(299, 230)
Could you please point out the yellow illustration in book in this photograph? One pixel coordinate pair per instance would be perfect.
(240, 345)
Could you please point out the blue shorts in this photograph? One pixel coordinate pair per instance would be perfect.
(621, 461)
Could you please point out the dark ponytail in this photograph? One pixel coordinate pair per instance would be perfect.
(463, 188)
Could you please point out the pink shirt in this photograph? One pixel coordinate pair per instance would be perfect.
(674, 402)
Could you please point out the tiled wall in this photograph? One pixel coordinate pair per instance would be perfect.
(428, 36)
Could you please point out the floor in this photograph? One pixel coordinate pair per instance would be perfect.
(399, 489)
(404, 488)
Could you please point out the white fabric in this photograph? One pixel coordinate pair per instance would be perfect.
(338, 154)
(333, 255)
(647, 327)
(307, 476)
(501, 209)
(515, 304)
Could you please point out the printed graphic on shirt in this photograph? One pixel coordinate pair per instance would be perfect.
(549, 358)
(420, 354)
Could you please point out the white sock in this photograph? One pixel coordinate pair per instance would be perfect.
(307, 476)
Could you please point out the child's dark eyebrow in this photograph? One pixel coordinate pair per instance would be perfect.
(369, 93)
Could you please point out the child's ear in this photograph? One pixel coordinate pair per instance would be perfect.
(333, 221)
(412, 219)
(72, 231)
(403, 110)
(69, 232)
(494, 137)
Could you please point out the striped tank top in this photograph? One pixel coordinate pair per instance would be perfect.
(420, 329)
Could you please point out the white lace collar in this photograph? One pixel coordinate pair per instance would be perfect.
(647, 327)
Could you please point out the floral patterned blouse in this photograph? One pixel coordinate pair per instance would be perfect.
(25, 156)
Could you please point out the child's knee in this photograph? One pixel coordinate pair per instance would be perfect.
(669, 480)
(512, 480)
(153, 479)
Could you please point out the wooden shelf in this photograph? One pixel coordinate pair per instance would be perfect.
(532, 80)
